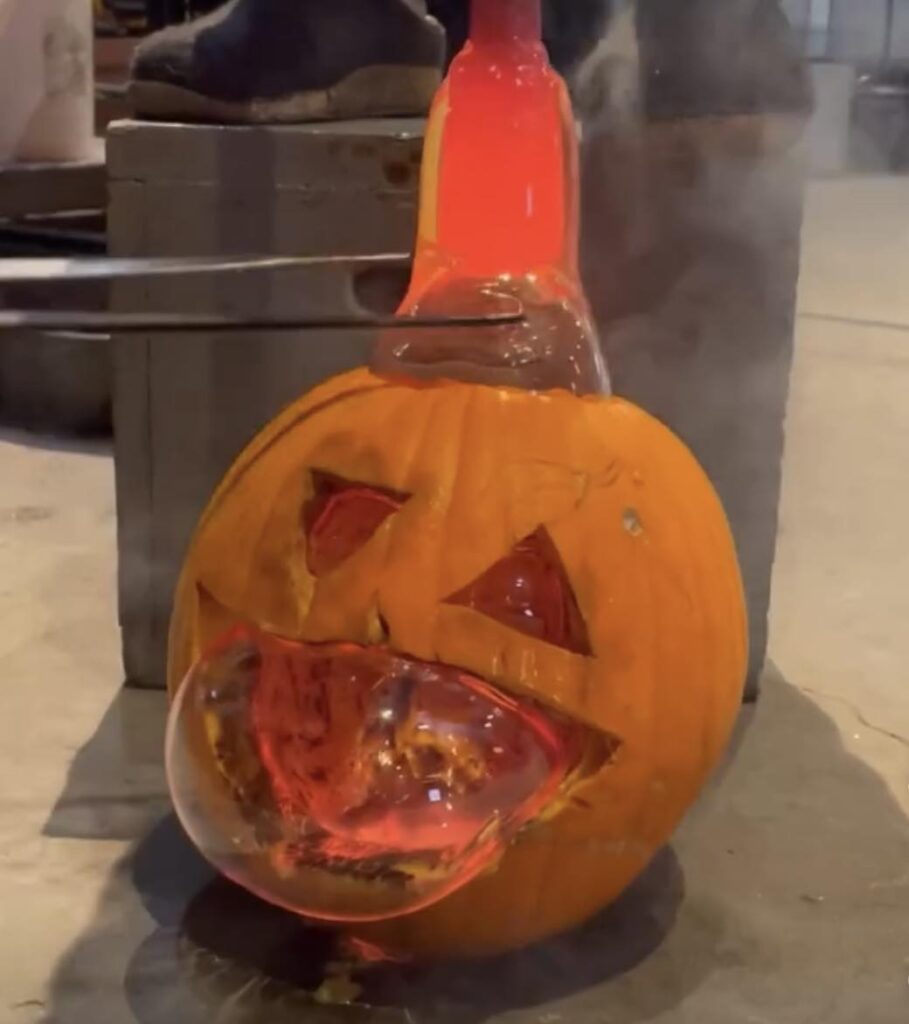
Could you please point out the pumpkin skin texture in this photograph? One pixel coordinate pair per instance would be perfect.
(641, 536)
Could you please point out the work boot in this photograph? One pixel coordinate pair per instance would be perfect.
(265, 61)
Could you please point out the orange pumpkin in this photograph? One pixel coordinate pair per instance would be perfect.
(450, 660)
(645, 550)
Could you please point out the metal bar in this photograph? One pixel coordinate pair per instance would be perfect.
(52, 270)
(140, 323)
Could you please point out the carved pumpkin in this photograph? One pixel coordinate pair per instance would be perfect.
(459, 491)
(451, 660)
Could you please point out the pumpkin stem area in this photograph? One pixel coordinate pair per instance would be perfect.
(352, 783)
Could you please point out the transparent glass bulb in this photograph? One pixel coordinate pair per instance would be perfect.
(351, 783)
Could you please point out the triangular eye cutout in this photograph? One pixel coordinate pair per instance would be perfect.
(341, 517)
(529, 591)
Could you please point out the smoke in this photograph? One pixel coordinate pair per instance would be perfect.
(672, 60)
(572, 29)
(606, 84)
(691, 217)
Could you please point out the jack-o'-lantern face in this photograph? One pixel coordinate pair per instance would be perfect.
(437, 634)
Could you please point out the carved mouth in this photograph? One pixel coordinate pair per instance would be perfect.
(350, 783)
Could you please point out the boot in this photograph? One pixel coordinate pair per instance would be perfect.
(261, 61)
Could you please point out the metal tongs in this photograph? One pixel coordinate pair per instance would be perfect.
(310, 271)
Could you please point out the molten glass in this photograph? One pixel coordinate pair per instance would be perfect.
(350, 783)
(499, 217)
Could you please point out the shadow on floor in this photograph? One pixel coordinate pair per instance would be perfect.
(776, 919)
(244, 961)
(98, 443)
(115, 787)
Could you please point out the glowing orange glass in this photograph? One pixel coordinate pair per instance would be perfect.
(499, 216)
(499, 173)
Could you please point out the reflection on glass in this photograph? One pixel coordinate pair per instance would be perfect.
(349, 783)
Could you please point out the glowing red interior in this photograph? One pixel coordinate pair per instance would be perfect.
(529, 591)
(341, 517)
(357, 763)
(383, 754)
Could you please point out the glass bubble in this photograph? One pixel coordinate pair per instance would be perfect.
(349, 783)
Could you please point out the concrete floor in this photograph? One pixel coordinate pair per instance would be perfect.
(784, 899)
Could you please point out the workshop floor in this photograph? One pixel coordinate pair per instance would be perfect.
(786, 896)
